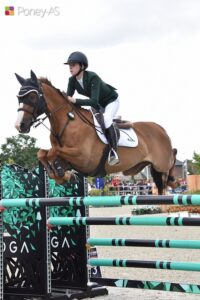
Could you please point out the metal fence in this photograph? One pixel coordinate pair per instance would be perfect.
(123, 190)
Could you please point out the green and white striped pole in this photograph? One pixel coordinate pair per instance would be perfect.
(125, 263)
(138, 220)
(183, 244)
(97, 201)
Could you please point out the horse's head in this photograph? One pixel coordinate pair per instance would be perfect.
(31, 102)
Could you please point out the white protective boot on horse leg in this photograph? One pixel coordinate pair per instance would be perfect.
(111, 136)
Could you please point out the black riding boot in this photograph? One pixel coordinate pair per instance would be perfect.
(111, 136)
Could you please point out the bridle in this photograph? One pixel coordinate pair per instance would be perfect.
(26, 90)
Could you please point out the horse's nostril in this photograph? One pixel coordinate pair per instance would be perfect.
(24, 128)
(22, 125)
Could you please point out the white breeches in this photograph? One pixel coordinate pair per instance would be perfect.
(110, 112)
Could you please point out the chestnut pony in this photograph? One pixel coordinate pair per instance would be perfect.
(75, 144)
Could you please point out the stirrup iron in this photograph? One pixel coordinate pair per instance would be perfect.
(113, 158)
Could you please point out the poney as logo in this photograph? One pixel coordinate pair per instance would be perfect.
(9, 10)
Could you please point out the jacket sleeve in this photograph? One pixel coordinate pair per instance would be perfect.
(93, 101)
(71, 87)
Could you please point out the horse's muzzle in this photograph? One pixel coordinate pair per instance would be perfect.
(23, 127)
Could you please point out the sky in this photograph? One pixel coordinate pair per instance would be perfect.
(148, 50)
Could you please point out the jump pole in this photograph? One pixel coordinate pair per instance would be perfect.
(157, 264)
(150, 221)
(182, 244)
(104, 201)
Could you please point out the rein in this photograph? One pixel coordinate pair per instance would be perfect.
(58, 136)
(78, 111)
(70, 118)
(85, 119)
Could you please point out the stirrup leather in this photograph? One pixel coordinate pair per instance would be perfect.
(113, 158)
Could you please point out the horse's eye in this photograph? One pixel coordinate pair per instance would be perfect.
(33, 97)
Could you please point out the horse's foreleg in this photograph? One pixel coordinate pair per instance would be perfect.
(47, 158)
(52, 157)
(59, 167)
(42, 157)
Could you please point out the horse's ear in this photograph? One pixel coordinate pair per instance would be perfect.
(34, 77)
(20, 79)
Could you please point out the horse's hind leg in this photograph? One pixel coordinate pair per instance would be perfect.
(160, 179)
(171, 179)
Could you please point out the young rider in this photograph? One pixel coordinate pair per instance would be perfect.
(100, 95)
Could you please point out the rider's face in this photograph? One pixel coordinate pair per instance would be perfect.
(74, 68)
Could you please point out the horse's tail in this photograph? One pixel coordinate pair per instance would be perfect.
(160, 178)
(171, 181)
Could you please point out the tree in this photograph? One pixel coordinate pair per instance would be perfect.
(20, 150)
(196, 162)
(190, 167)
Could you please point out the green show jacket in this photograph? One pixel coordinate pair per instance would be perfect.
(98, 92)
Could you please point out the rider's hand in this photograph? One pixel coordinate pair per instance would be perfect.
(71, 99)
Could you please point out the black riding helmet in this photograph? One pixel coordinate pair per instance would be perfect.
(77, 57)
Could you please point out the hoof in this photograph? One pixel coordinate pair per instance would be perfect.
(71, 176)
(67, 176)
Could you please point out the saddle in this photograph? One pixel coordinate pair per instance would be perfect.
(122, 124)
(117, 122)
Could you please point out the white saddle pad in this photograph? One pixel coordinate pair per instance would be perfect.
(128, 137)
